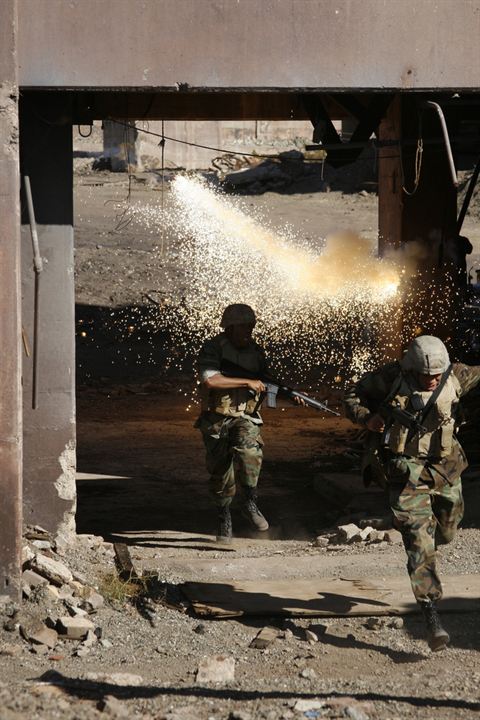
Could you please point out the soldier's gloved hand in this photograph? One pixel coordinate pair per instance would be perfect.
(256, 385)
(375, 423)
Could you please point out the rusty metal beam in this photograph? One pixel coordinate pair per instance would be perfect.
(99, 105)
(10, 322)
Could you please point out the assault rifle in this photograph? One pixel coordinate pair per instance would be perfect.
(274, 387)
(391, 413)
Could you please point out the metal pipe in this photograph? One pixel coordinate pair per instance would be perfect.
(435, 106)
(38, 267)
(37, 258)
(468, 197)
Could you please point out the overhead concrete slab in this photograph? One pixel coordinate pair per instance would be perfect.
(319, 597)
(192, 44)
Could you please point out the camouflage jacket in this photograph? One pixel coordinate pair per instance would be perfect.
(234, 402)
(363, 399)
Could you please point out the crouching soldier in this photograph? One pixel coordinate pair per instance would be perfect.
(409, 409)
(230, 421)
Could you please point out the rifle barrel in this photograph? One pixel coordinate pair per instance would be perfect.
(312, 402)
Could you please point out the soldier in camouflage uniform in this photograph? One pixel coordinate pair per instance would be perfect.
(230, 422)
(421, 467)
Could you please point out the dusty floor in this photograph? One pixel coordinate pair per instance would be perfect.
(153, 496)
(142, 480)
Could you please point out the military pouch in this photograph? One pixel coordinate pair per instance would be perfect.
(398, 470)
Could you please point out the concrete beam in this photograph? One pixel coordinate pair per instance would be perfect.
(49, 430)
(240, 44)
(10, 322)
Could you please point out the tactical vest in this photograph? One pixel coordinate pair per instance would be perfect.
(438, 440)
(235, 401)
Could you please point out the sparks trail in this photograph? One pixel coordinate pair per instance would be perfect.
(321, 307)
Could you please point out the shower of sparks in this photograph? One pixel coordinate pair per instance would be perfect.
(326, 311)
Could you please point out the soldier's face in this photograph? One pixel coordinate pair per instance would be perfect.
(240, 335)
(428, 383)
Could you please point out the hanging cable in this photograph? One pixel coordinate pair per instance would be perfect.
(162, 145)
(88, 134)
(418, 162)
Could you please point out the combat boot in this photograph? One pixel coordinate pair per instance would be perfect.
(250, 509)
(224, 534)
(437, 637)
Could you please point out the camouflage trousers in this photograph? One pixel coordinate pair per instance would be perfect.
(233, 454)
(427, 511)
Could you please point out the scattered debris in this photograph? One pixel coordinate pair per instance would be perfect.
(54, 570)
(311, 637)
(216, 669)
(74, 628)
(264, 638)
(306, 705)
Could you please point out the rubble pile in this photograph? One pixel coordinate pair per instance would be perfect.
(59, 615)
(277, 175)
(370, 531)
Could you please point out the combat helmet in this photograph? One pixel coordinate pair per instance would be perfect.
(237, 314)
(426, 355)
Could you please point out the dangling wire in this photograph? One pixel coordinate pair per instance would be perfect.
(89, 132)
(418, 162)
(162, 145)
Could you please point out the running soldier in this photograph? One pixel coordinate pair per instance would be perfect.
(230, 421)
(409, 409)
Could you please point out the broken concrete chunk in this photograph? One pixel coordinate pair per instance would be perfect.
(27, 554)
(264, 638)
(349, 533)
(393, 537)
(311, 637)
(76, 611)
(366, 533)
(91, 599)
(321, 541)
(40, 649)
(74, 628)
(355, 713)
(61, 544)
(42, 544)
(82, 651)
(51, 593)
(216, 669)
(304, 706)
(308, 674)
(10, 650)
(35, 631)
(54, 570)
(33, 579)
(396, 623)
(91, 639)
(90, 540)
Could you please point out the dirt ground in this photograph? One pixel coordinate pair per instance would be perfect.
(142, 481)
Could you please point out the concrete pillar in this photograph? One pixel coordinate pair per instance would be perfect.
(10, 322)
(120, 145)
(49, 430)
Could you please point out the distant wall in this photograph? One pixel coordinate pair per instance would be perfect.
(234, 136)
